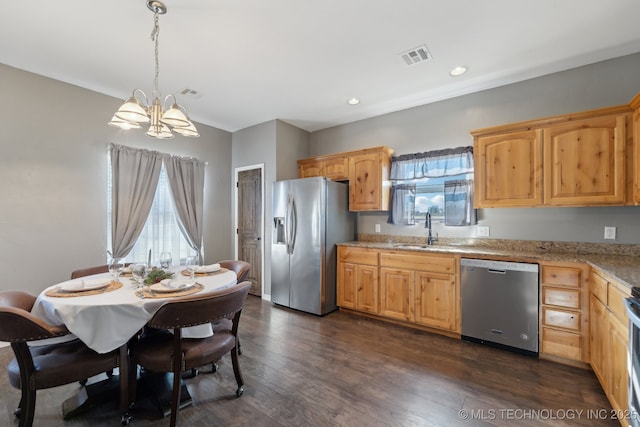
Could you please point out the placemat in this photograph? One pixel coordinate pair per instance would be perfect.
(211, 273)
(59, 293)
(148, 293)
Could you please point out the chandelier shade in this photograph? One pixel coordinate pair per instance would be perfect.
(163, 122)
(123, 124)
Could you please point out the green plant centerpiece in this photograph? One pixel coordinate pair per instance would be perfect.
(156, 275)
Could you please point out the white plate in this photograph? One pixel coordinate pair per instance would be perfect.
(174, 286)
(208, 268)
(84, 285)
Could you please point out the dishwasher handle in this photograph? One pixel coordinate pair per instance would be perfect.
(496, 271)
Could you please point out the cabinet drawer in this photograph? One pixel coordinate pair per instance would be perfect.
(599, 287)
(358, 256)
(560, 276)
(420, 262)
(561, 297)
(562, 343)
(561, 318)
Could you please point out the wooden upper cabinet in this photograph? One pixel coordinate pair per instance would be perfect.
(364, 183)
(366, 170)
(585, 162)
(335, 168)
(309, 168)
(580, 159)
(508, 169)
(369, 179)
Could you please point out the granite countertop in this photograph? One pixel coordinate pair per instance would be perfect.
(618, 261)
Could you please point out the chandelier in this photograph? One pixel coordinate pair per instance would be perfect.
(136, 109)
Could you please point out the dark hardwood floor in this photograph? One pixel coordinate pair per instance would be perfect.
(345, 370)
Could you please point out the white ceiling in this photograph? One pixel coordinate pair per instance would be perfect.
(300, 60)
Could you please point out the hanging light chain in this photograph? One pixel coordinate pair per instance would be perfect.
(155, 37)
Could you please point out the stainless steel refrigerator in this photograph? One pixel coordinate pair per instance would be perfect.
(310, 215)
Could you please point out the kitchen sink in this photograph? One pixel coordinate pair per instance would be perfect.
(409, 246)
(451, 246)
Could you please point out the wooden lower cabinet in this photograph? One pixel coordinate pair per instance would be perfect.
(598, 337)
(609, 339)
(397, 294)
(367, 289)
(618, 348)
(414, 288)
(357, 285)
(437, 301)
(564, 311)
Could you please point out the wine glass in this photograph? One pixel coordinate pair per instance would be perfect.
(192, 264)
(115, 267)
(138, 273)
(165, 260)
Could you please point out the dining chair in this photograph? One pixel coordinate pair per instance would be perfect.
(46, 366)
(89, 271)
(165, 350)
(241, 268)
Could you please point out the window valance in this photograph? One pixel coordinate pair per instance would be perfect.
(432, 164)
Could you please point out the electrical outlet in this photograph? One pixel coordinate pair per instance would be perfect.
(610, 233)
(377, 228)
(483, 231)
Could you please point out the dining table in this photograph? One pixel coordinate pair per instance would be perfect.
(106, 312)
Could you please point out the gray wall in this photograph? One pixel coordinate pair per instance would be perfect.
(292, 144)
(447, 124)
(277, 145)
(53, 172)
(251, 146)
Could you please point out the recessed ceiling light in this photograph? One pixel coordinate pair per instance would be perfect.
(458, 71)
(353, 101)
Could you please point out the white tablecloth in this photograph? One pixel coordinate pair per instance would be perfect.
(108, 320)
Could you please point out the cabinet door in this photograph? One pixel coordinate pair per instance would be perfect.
(309, 169)
(508, 169)
(598, 338)
(346, 285)
(436, 300)
(396, 293)
(367, 288)
(365, 183)
(585, 162)
(336, 169)
(618, 348)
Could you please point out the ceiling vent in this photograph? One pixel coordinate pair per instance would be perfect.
(415, 56)
(190, 93)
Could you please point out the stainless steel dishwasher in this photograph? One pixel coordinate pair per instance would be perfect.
(500, 304)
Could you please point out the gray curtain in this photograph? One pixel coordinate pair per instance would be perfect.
(135, 175)
(458, 203)
(186, 179)
(402, 204)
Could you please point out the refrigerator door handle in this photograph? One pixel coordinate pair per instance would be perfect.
(287, 226)
(294, 224)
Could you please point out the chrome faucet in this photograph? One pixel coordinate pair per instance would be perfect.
(427, 224)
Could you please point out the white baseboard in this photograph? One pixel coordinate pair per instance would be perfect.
(266, 297)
